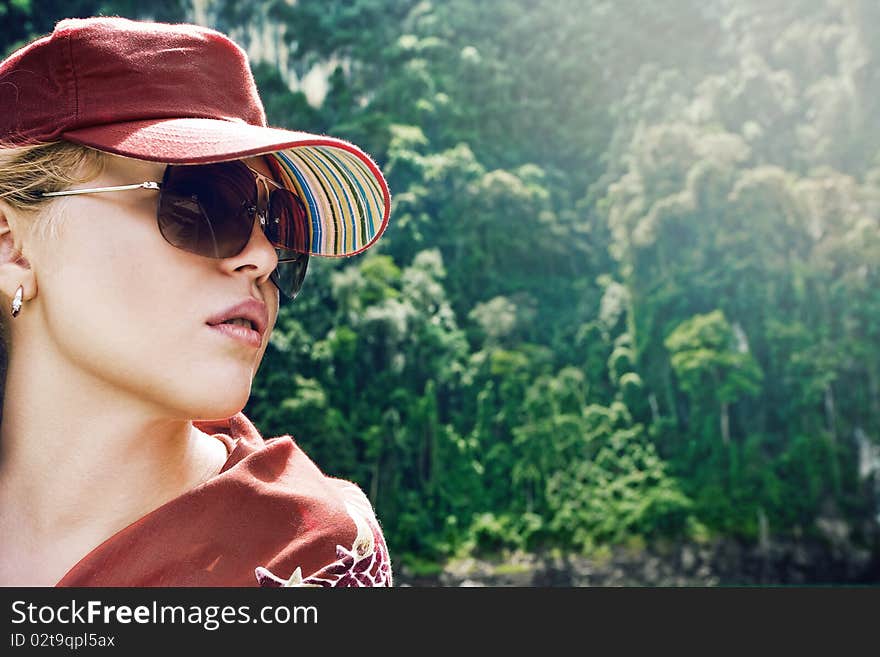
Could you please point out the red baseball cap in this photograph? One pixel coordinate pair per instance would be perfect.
(183, 94)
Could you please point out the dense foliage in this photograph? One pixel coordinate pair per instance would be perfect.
(631, 285)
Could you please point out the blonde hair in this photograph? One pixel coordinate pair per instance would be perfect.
(28, 171)
(25, 173)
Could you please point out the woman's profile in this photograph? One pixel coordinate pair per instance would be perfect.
(150, 222)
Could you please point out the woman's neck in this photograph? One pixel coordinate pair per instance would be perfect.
(78, 457)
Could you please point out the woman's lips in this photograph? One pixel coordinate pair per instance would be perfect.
(240, 333)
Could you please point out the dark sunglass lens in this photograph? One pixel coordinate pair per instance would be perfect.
(286, 221)
(182, 222)
(208, 209)
(288, 275)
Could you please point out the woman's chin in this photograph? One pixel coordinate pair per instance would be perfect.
(218, 404)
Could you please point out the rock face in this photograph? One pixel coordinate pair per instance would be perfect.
(265, 39)
(722, 563)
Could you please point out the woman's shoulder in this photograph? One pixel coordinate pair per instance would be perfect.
(314, 529)
(360, 556)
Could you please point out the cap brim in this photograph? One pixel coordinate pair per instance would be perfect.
(345, 194)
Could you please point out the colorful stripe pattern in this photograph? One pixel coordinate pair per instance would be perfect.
(346, 201)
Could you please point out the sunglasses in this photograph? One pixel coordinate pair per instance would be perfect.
(210, 209)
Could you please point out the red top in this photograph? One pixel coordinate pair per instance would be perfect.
(270, 518)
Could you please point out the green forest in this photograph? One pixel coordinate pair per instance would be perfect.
(629, 294)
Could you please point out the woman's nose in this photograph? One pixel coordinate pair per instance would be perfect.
(259, 253)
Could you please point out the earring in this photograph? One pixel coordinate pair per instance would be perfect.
(16, 302)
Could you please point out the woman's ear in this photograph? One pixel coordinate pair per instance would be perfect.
(15, 270)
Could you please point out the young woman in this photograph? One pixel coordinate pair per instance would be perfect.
(149, 221)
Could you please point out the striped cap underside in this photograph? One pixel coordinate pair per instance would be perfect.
(344, 201)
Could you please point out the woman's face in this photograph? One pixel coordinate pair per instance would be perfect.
(131, 310)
